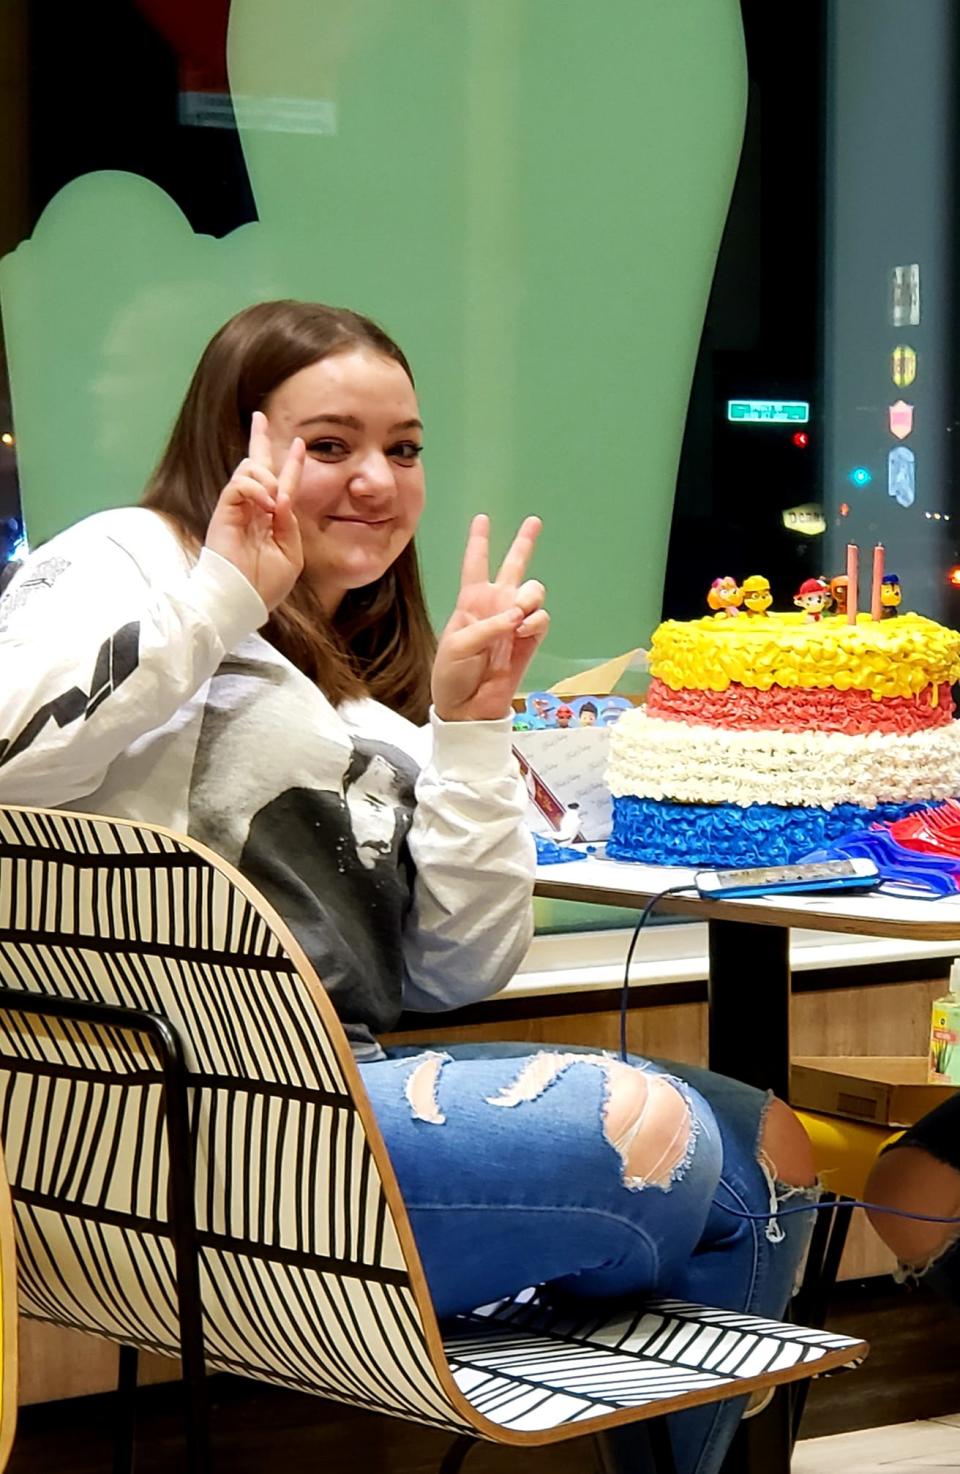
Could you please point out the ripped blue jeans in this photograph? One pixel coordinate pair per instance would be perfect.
(519, 1167)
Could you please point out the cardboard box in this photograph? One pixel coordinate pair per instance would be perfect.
(885, 1090)
(564, 767)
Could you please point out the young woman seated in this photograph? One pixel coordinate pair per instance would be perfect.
(246, 657)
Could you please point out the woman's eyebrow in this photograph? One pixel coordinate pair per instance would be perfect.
(352, 423)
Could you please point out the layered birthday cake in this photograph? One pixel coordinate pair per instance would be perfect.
(766, 736)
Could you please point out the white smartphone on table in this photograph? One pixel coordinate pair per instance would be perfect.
(821, 876)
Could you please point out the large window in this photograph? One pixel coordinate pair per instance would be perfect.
(529, 195)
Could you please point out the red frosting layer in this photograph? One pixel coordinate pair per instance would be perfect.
(799, 710)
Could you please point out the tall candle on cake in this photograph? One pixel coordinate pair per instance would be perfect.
(876, 607)
(853, 565)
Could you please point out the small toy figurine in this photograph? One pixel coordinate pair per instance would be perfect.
(757, 597)
(725, 597)
(588, 714)
(813, 597)
(890, 596)
(838, 593)
(564, 715)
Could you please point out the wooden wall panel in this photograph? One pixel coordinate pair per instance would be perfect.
(57, 1363)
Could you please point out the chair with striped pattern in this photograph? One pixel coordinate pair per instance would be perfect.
(8, 1321)
(196, 1171)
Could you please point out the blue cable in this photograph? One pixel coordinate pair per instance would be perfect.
(842, 1203)
(673, 890)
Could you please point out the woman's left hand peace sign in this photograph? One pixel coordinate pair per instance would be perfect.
(492, 634)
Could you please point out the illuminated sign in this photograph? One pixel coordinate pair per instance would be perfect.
(807, 520)
(902, 476)
(768, 411)
(901, 419)
(905, 296)
(903, 366)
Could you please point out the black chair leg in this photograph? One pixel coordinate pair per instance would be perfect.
(823, 1262)
(182, 1212)
(658, 1434)
(842, 1215)
(196, 1407)
(181, 1189)
(199, 1457)
(764, 1443)
(126, 1409)
(808, 1295)
(818, 1301)
(657, 1455)
(456, 1453)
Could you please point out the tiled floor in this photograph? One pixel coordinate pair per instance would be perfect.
(904, 1448)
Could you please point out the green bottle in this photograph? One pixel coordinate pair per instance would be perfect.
(944, 1066)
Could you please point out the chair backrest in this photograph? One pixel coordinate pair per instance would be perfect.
(309, 1274)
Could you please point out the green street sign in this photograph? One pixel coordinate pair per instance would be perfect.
(768, 411)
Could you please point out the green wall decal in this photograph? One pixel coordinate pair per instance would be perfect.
(528, 193)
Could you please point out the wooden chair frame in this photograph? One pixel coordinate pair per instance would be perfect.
(174, 1083)
(9, 1352)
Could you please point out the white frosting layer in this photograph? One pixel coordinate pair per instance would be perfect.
(651, 758)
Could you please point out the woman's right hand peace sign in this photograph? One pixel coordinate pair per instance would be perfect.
(254, 525)
(494, 631)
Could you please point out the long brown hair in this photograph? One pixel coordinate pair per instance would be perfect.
(380, 641)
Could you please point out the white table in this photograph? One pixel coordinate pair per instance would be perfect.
(749, 966)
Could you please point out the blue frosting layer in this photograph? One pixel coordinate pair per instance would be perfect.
(663, 833)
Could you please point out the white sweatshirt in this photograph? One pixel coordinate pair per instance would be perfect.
(133, 683)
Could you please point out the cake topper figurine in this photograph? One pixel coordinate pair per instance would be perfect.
(757, 597)
(725, 597)
(838, 593)
(813, 597)
(890, 595)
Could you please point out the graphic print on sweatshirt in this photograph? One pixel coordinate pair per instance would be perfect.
(319, 825)
(116, 659)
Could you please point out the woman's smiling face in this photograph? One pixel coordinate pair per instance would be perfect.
(362, 490)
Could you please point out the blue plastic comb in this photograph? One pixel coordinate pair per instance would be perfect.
(902, 871)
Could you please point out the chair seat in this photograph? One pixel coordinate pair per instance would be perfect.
(528, 1367)
(845, 1150)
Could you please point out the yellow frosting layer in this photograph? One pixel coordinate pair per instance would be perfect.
(890, 657)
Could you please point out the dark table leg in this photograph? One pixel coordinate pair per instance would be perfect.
(749, 994)
(749, 1040)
